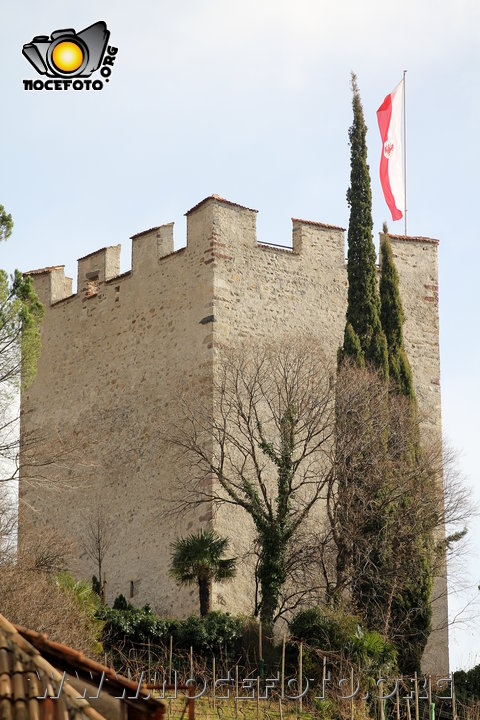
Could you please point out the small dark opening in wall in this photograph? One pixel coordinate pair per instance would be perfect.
(132, 588)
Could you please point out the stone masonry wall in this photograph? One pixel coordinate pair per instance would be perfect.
(117, 355)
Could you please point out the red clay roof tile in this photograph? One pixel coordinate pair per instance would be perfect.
(25, 675)
(76, 659)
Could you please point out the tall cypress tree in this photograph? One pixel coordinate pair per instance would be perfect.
(411, 607)
(392, 318)
(364, 341)
(374, 336)
(363, 327)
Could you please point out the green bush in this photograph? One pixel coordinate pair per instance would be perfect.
(223, 629)
(121, 603)
(339, 632)
(127, 626)
(133, 626)
(467, 686)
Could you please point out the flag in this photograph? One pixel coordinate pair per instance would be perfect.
(389, 116)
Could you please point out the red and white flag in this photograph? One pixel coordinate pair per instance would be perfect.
(389, 116)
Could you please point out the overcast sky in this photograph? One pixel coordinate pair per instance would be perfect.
(251, 100)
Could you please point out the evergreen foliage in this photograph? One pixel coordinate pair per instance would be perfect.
(411, 607)
(20, 316)
(340, 632)
(352, 347)
(128, 627)
(276, 531)
(6, 224)
(121, 603)
(467, 686)
(199, 559)
(392, 318)
(396, 598)
(363, 311)
(88, 604)
(131, 630)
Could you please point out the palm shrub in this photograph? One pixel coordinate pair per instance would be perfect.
(199, 559)
(87, 602)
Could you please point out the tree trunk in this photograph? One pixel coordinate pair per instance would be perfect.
(204, 595)
(271, 574)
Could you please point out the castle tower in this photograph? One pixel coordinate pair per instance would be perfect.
(118, 352)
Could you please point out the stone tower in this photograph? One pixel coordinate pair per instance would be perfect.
(116, 354)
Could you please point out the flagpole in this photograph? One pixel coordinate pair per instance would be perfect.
(405, 145)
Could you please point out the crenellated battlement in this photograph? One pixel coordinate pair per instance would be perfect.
(217, 230)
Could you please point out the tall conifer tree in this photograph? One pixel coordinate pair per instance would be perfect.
(392, 318)
(410, 608)
(374, 336)
(363, 311)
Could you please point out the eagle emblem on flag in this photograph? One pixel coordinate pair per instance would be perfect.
(388, 148)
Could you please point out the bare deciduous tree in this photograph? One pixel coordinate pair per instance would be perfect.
(263, 446)
(98, 537)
